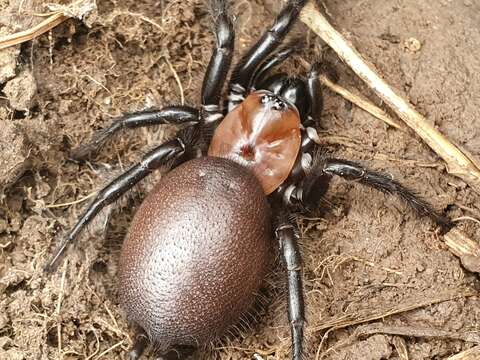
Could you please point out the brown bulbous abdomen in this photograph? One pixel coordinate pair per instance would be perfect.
(196, 253)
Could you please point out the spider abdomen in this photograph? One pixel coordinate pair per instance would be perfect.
(196, 253)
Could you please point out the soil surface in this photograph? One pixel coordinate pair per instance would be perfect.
(379, 281)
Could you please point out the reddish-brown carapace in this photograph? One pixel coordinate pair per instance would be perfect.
(264, 136)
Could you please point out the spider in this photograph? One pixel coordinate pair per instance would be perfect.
(198, 247)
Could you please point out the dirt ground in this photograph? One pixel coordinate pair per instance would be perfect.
(379, 281)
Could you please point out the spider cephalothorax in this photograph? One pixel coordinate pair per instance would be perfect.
(263, 134)
(199, 245)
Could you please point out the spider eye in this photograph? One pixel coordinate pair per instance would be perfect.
(274, 102)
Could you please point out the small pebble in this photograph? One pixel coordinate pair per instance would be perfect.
(412, 45)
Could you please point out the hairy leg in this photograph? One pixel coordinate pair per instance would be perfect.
(271, 39)
(184, 115)
(291, 258)
(180, 352)
(315, 95)
(276, 59)
(314, 186)
(139, 346)
(219, 64)
(142, 341)
(160, 156)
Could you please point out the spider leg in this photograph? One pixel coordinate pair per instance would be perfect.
(315, 95)
(141, 343)
(314, 186)
(245, 69)
(220, 61)
(276, 59)
(139, 346)
(160, 156)
(180, 352)
(312, 120)
(310, 138)
(291, 258)
(168, 115)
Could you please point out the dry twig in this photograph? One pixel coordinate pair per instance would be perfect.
(401, 347)
(370, 314)
(410, 331)
(470, 354)
(458, 162)
(30, 34)
(361, 102)
(465, 248)
(358, 100)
